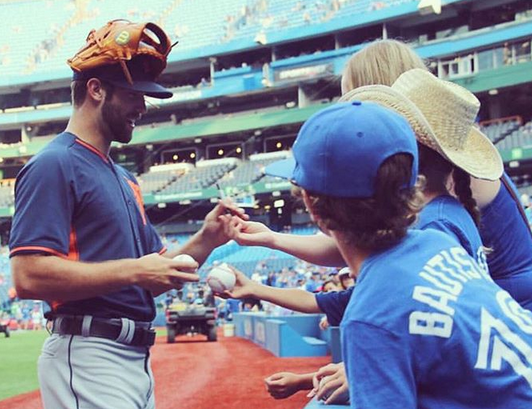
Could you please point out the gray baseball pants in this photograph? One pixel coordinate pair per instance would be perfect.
(78, 372)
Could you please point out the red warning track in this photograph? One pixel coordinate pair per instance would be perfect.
(195, 374)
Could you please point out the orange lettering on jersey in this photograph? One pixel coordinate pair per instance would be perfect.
(138, 198)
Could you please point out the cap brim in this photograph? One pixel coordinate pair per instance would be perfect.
(149, 88)
(281, 169)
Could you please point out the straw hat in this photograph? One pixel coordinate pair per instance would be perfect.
(442, 115)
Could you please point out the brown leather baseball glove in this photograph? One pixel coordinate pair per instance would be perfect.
(120, 41)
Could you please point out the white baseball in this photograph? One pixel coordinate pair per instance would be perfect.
(221, 279)
(184, 257)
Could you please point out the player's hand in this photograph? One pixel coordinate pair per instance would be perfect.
(247, 233)
(244, 287)
(214, 229)
(283, 384)
(330, 385)
(158, 274)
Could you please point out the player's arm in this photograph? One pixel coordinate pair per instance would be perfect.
(291, 298)
(56, 278)
(317, 249)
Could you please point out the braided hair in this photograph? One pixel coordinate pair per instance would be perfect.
(462, 188)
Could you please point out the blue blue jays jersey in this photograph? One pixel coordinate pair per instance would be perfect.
(507, 235)
(72, 201)
(426, 327)
(446, 214)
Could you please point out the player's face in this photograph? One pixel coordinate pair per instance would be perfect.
(121, 111)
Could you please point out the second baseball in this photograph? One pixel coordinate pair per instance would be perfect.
(185, 257)
(221, 279)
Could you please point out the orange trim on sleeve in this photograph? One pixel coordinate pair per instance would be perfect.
(163, 250)
(37, 248)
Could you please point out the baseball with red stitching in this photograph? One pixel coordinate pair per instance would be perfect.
(221, 279)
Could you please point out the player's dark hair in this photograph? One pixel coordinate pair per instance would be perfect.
(79, 91)
(436, 170)
(378, 222)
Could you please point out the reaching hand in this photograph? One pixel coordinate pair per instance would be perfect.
(157, 273)
(247, 233)
(283, 384)
(324, 323)
(214, 228)
(330, 384)
(243, 286)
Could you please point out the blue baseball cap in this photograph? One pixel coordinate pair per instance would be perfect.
(340, 149)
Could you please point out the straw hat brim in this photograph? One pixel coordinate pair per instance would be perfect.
(478, 157)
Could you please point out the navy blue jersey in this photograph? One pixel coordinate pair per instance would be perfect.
(333, 304)
(72, 201)
(507, 235)
(426, 327)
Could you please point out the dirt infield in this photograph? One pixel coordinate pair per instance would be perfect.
(195, 374)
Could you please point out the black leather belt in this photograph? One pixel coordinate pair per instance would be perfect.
(124, 331)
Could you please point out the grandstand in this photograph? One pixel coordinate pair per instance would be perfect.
(245, 76)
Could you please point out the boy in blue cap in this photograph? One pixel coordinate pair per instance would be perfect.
(426, 327)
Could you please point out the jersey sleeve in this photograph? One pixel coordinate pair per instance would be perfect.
(379, 366)
(333, 304)
(44, 205)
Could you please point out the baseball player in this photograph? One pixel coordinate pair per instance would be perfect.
(82, 241)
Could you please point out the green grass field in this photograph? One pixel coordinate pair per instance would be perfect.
(18, 360)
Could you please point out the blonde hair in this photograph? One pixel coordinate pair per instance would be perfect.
(379, 63)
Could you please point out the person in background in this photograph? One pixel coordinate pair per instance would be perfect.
(346, 281)
(329, 285)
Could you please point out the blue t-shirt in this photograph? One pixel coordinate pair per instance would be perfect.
(507, 235)
(446, 214)
(443, 213)
(73, 202)
(426, 327)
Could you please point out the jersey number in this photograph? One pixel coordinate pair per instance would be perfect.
(507, 346)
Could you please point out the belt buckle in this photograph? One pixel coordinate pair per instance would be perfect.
(151, 334)
(145, 337)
